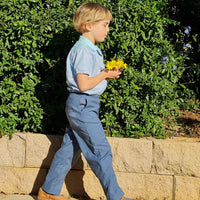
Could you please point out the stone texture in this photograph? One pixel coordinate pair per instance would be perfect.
(187, 188)
(82, 183)
(40, 149)
(134, 185)
(128, 154)
(12, 150)
(144, 167)
(85, 183)
(21, 180)
(19, 197)
(2, 196)
(149, 186)
(176, 158)
(131, 155)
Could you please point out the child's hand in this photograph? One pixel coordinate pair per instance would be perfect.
(111, 74)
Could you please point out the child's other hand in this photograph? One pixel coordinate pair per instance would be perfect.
(111, 74)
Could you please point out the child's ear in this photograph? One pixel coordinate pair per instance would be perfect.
(88, 26)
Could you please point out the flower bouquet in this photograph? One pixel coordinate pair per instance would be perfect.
(116, 64)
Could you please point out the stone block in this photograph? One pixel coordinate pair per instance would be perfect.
(149, 186)
(19, 197)
(176, 158)
(131, 155)
(134, 185)
(82, 184)
(128, 154)
(40, 149)
(21, 180)
(2, 196)
(187, 188)
(12, 150)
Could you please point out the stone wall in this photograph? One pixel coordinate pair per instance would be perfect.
(155, 169)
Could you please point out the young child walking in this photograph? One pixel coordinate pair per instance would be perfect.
(86, 80)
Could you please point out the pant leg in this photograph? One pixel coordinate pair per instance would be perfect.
(63, 160)
(83, 117)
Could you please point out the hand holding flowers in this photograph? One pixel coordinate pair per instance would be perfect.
(114, 67)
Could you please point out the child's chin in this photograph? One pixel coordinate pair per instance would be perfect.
(101, 40)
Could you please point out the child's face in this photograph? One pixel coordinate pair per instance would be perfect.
(100, 30)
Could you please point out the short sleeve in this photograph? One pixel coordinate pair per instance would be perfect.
(83, 61)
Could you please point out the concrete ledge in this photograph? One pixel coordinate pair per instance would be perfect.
(154, 169)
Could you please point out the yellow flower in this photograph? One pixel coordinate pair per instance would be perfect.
(115, 64)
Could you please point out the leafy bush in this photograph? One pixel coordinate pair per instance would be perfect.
(35, 38)
(140, 102)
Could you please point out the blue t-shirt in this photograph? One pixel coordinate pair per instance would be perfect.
(85, 58)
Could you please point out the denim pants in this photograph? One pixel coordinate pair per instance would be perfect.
(85, 135)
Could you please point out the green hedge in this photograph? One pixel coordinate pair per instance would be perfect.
(36, 36)
(147, 95)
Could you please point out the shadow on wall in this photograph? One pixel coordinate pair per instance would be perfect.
(74, 184)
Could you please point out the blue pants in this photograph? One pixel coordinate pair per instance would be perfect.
(86, 135)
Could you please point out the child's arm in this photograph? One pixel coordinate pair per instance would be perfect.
(85, 82)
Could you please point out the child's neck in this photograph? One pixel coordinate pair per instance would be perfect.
(89, 37)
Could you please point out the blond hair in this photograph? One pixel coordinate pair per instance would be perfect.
(90, 13)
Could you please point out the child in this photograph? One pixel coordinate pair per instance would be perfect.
(86, 79)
